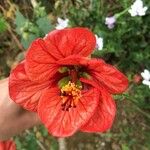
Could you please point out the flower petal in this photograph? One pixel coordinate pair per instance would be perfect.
(39, 62)
(58, 44)
(108, 76)
(43, 53)
(64, 123)
(103, 74)
(71, 41)
(104, 115)
(7, 145)
(73, 60)
(23, 91)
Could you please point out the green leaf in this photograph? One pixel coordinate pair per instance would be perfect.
(18, 143)
(27, 41)
(44, 25)
(3, 24)
(43, 131)
(20, 21)
(31, 142)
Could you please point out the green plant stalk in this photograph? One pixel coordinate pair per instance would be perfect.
(121, 13)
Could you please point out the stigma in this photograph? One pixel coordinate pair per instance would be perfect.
(70, 95)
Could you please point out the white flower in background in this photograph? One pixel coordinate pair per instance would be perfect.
(146, 74)
(62, 23)
(99, 42)
(137, 9)
(146, 77)
(110, 22)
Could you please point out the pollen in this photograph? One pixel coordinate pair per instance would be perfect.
(70, 95)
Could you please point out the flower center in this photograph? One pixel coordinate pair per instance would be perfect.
(70, 95)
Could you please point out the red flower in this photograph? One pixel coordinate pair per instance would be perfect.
(69, 91)
(7, 145)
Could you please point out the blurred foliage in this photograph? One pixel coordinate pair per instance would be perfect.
(125, 46)
(3, 24)
(36, 139)
(31, 29)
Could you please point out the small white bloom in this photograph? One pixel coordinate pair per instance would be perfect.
(146, 82)
(146, 77)
(62, 23)
(110, 22)
(99, 42)
(146, 74)
(137, 9)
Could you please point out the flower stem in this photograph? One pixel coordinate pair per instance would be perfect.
(121, 13)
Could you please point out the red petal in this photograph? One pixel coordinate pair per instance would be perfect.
(39, 62)
(39, 53)
(73, 60)
(43, 53)
(40, 72)
(91, 82)
(23, 91)
(64, 123)
(70, 41)
(104, 115)
(108, 76)
(104, 74)
(7, 145)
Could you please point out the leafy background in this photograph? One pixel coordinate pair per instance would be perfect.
(126, 46)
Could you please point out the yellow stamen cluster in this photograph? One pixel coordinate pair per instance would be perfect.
(71, 93)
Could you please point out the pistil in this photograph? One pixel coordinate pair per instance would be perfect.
(74, 75)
